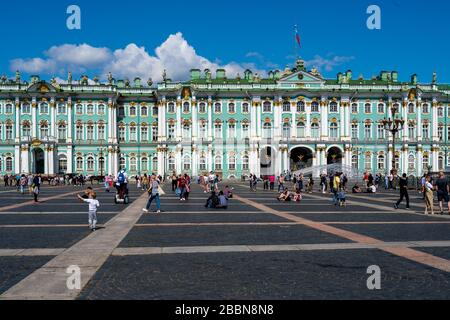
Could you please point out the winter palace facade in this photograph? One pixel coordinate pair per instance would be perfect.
(291, 120)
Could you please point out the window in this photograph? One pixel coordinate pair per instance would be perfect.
(368, 131)
(300, 106)
(232, 163)
(333, 107)
(9, 164)
(218, 131)
(368, 162)
(62, 132)
(121, 112)
(426, 108)
(267, 107)
(411, 108)
(245, 107)
(121, 134)
(355, 131)
(286, 106)
(380, 163)
(186, 131)
(171, 107)
(367, 108)
(245, 131)
(315, 106)
(90, 164)
(79, 109)
(411, 162)
(441, 133)
(186, 163)
(231, 108)
(267, 131)
(380, 108)
(217, 108)
(171, 132)
(218, 163)
(426, 131)
(155, 133)
(90, 109)
(79, 132)
(26, 108)
(355, 162)
(286, 131)
(144, 133)
(300, 130)
(79, 164)
(202, 107)
(144, 111)
(440, 162)
(133, 111)
(186, 107)
(425, 162)
(231, 131)
(381, 133)
(44, 131)
(122, 163)
(334, 130)
(101, 109)
(1, 164)
(9, 132)
(133, 164)
(203, 130)
(90, 132)
(9, 109)
(133, 134)
(172, 164)
(144, 164)
(61, 108)
(155, 111)
(440, 111)
(62, 164)
(26, 130)
(43, 108)
(354, 108)
(101, 132)
(245, 163)
(202, 163)
(101, 165)
(411, 131)
(315, 131)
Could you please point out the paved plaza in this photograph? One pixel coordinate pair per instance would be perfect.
(257, 249)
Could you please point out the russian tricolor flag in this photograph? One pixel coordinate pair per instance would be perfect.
(297, 36)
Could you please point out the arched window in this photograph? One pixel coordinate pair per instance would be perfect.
(231, 130)
(267, 107)
(368, 108)
(61, 108)
(232, 163)
(231, 108)
(186, 131)
(133, 164)
(9, 131)
(218, 163)
(101, 165)
(368, 131)
(171, 107)
(101, 109)
(300, 130)
(381, 132)
(300, 106)
(333, 107)
(381, 108)
(355, 164)
(411, 108)
(26, 130)
(121, 112)
(90, 164)
(133, 133)
(186, 107)
(267, 130)
(380, 163)
(411, 162)
(44, 130)
(62, 164)
(43, 108)
(314, 106)
(426, 108)
(286, 106)
(79, 109)
(218, 108)
(186, 163)
(412, 131)
(202, 107)
(440, 112)
(62, 132)
(155, 164)
(286, 130)
(315, 130)
(9, 164)
(333, 130)
(26, 108)
(368, 162)
(79, 163)
(155, 111)
(155, 132)
(218, 130)
(122, 163)
(245, 163)
(172, 164)
(202, 163)
(144, 164)
(132, 111)
(354, 108)
(245, 107)
(90, 109)
(101, 132)
(144, 111)
(90, 132)
(121, 133)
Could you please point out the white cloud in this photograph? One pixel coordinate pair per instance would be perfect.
(175, 55)
(328, 63)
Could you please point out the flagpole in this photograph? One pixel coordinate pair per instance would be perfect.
(295, 42)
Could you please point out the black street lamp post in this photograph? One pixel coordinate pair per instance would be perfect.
(394, 126)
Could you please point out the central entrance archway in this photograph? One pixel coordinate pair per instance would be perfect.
(301, 158)
(39, 161)
(334, 156)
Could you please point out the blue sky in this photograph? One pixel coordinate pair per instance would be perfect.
(121, 36)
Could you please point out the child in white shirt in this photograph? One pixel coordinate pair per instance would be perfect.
(93, 205)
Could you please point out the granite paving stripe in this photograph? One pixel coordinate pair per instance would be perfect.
(50, 219)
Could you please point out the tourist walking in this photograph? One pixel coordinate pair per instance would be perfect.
(153, 192)
(403, 191)
(182, 187)
(174, 181)
(429, 206)
(443, 189)
(93, 205)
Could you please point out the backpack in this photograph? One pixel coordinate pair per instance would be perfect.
(121, 178)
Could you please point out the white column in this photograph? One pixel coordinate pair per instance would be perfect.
(404, 115)
(277, 119)
(293, 122)
(210, 159)
(46, 171)
(194, 120)
(435, 123)
(258, 119)
(70, 127)
(70, 160)
(17, 161)
(195, 161)
(114, 130)
(348, 122)
(419, 122)
(210, 120)
(178, 157)
(405, 155)
(25, 159)
(324, 119)
(419, 159)
(308, 120)
(179, 124)
(286, 159)
(34, 119)
(160, 156)
(17, 124)
(435, 158)
(51, 160)
(52, 118)
(253, 121)
(342, 120)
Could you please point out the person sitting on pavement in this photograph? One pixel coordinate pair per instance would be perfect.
(356, 189)
(371, 188)
(223, 201)
(297, 196)
(228, 192)
(284, 196)
(213, 201)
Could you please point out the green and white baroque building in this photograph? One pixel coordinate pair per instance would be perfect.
(290, 120)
